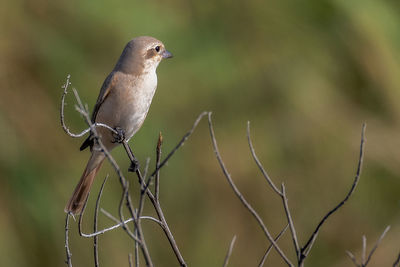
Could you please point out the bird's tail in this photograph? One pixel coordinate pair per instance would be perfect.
(82, 189)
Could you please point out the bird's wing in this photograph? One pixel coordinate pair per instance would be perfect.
(104, 92)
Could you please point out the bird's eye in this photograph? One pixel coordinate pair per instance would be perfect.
(157, 48)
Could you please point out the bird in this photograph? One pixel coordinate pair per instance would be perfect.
(123, 103)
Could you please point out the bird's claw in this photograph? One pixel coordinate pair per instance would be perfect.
(119, 136)
(134, 166)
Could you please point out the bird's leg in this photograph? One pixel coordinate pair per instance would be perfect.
(134, 162)
(119, 135)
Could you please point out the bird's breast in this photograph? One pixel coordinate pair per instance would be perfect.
(140, 95)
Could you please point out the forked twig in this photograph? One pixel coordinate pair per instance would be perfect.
(365, 261)
(241, 197)
(62, 119)
(376, 245)
(305, 250)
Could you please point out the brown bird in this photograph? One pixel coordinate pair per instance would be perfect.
(123, 103)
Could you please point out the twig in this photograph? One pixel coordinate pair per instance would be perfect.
(136, 252)
(364, 249)
(229, 253)
(307, 247)
(397, 261)
(241, 197)
(158, 159)
(260, 166)
(67, 250)
(130, 260)
(158, 210)
(62, 120)
(376, 245)
(96, 215)
(270, 246)
(290, 221)
(365, 261)
(181, 143)
(353, 258)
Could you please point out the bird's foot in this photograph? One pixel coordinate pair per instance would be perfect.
(134, 166)
(119, 135)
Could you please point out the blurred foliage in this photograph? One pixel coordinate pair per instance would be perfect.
(306, 74)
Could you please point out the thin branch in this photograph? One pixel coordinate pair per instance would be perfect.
(158, 159)
(146, 167)
(270, 246)
(364, 249)
(353, 258)
(308, 245)
(181, 143)
(130, 260)
(67, 250)
(260, 166)
(376, 245)
(96, 215)
(150, 195)
(136, 251)
(397, 261)
(241, 197)
(62, 119)
(229, 253)
(107, 214)
(290, 221)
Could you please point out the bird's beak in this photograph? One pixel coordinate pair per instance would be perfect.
(166, 54)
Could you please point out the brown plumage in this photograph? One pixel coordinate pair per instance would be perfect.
(123, 103)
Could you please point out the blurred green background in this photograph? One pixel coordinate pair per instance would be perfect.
(306, 74)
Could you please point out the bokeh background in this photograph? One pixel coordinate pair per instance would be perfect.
(306, 74)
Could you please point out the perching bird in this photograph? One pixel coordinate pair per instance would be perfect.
(123, 103)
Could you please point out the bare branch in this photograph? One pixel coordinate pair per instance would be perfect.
(130, 260)
(364, 249)
(376, 245)
(107, 214)
(270, 246)
(229, 253)
(62, 120)
(397, 261)
(241, 197)
(260, 166)
(158, 159)
(308, 245)
(290, 221)
(351, 256)
(181, 143)
(96, 215)
(67, 250)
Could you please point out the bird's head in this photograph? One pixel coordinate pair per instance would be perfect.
(142, 54)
